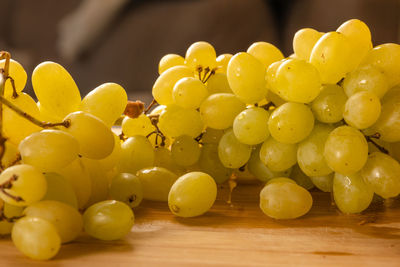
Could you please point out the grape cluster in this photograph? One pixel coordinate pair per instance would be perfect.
(328, 116)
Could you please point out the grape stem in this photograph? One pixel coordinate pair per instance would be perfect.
(154, 121)
(268, 105)
(153, 102)
(15, 161)
(7, 185)
(376, 136)
(2, 83)
(212, 72)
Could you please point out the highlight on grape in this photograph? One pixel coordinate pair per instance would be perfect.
(325, 117)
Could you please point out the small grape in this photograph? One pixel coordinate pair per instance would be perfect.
(156, 183)
(304, 41)
(137, 153)
(328, 106)
(189, 92)
(201, 54)
(278, 156)
(60, 189)
(169, 61)
(185, 151)
(127, 188)
(232, 153)
(362, 110)
(265, 52)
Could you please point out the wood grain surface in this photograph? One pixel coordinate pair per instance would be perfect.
(239, 235)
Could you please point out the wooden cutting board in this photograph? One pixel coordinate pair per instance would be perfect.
(239, 235)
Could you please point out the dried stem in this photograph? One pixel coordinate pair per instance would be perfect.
(153, 102)
(212, 72)
(376, 136)
(2, 139)
(268, 105)
(7, 185)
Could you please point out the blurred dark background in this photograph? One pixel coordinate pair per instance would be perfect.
(123, 40)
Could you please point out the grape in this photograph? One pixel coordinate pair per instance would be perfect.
(270, 76)
(8, 211)
(169, 61)
(367, 78)
(219, 110)
(297, 81)
(60, 189)
(162, 88)
(310, 152)
(222, 62)
(127, 188)
(163, 158)
(16, 72)
(285, 200)
(346, 150)
(251, 126)
(66, 219)
(156, 183)
(185, 151)
(46, 115)
(278, 156)
(137, 153)
(274, 98)
(112, 160)
(49, 150)
(211, 164)
(304, 41)
(231, 152)
(98, 180)
(158, 110)
(281, 180)
(138, 126)
(10, 154)
(189, 92)
(27, 183)
(301, 178)
(192, 194)
(96, 141)
(107, 102)
(55, 89)
(108, 220)
(386, 57)
(200, 54)
(359, 38)
(323, 183)
(382, 174)
(330, 56)
(351, 193)
(175, 121)
(36, 238)
(328, 106)
(246, 77)
(16, 128)
(291, 123)
(265, 52)
(212, 136)
(362, 110)
(218, 83)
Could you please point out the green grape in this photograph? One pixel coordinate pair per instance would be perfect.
(201, 54)
(162, 88)
(222, 62)
(330, 55)
(211, 164)
(232, 153)
(351, 193)
(168, 61)
(158, 110)
(79, 178)
(60, 189)
(382, 174)
(55, 89)
(212, 136)
(359, 38)
(251, 126)
(107, 102)
(17, 73)
(218, 83)
(386, 57)
(219, 110)
(297, 81)
(328, 106)
(246, 78)
(66, 219)
(346, 150)
(112, 160)
(156, 183)
(301, 178)
(108, 220)
(265, 52)
(96, 141)
(280, 180)
(16, 127)
(278, 156)
(138, 126)
(137, 153)
(8, 211)
(185, 151)
(257, 168)
(99, 180)
(291, 123)
(193, 194)
(285, 200)
(310, 152)
(49, 150)
(163, 158)
(395, 151)
(362, 110)
(367, 78)
(175, 121)
(323, 183)
(10, 155)
(27, 183)
(274, 98)
(270, 76)
(36, 238)
(189, 92)
(304, 41)
(127, 188)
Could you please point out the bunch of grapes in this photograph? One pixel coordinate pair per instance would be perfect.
(328, 116)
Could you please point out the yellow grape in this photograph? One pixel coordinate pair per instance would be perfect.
(270, 76)
(211, 164)
(185, 151)
(304, 41)
(212, 136)
(10, 155)
(277, 156)
(251, 126)
(232, 153)
(218, 83)
(189, 92)
(127, 188)
(99, 180)
(200, 54)
(17, 73)
(362, 110)
(156, 183)
(55, 89)
(163, 158)
(281, 180)
(60, 189)
(137, 153)
(265, 52)
(222, 62)
(328, 106)
(138, 126)
(323, 183)
(274, 98)
(111, 160)
(8, 211)
(301, 178)
(46, 115)
(168, 61)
